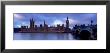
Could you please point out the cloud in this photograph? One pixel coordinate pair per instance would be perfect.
(89, 16)
(18, 16)
(57, 22)
(73, 21)
(25, 24)
(18, 26)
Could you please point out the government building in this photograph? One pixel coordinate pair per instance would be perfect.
(45, 28)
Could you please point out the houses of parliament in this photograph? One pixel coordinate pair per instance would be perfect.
(44, 27)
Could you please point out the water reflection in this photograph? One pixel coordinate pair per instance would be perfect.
(43, 36)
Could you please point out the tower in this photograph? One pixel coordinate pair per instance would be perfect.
(32, 23)
(45, 26)
(67, 23)
(91, 22)
(44, 23)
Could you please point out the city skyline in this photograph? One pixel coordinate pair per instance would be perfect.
(52, 19)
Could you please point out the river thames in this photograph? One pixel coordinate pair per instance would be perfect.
(43, 36)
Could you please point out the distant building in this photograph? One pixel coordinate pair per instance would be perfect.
(67, 26)
(32, 23)
(67, 23)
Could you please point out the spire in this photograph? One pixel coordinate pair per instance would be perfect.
(67, 18)
(67, 23)
(44, 22)
(91, 22)
(32, 19)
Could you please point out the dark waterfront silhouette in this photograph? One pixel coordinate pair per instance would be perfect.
(43, 28)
